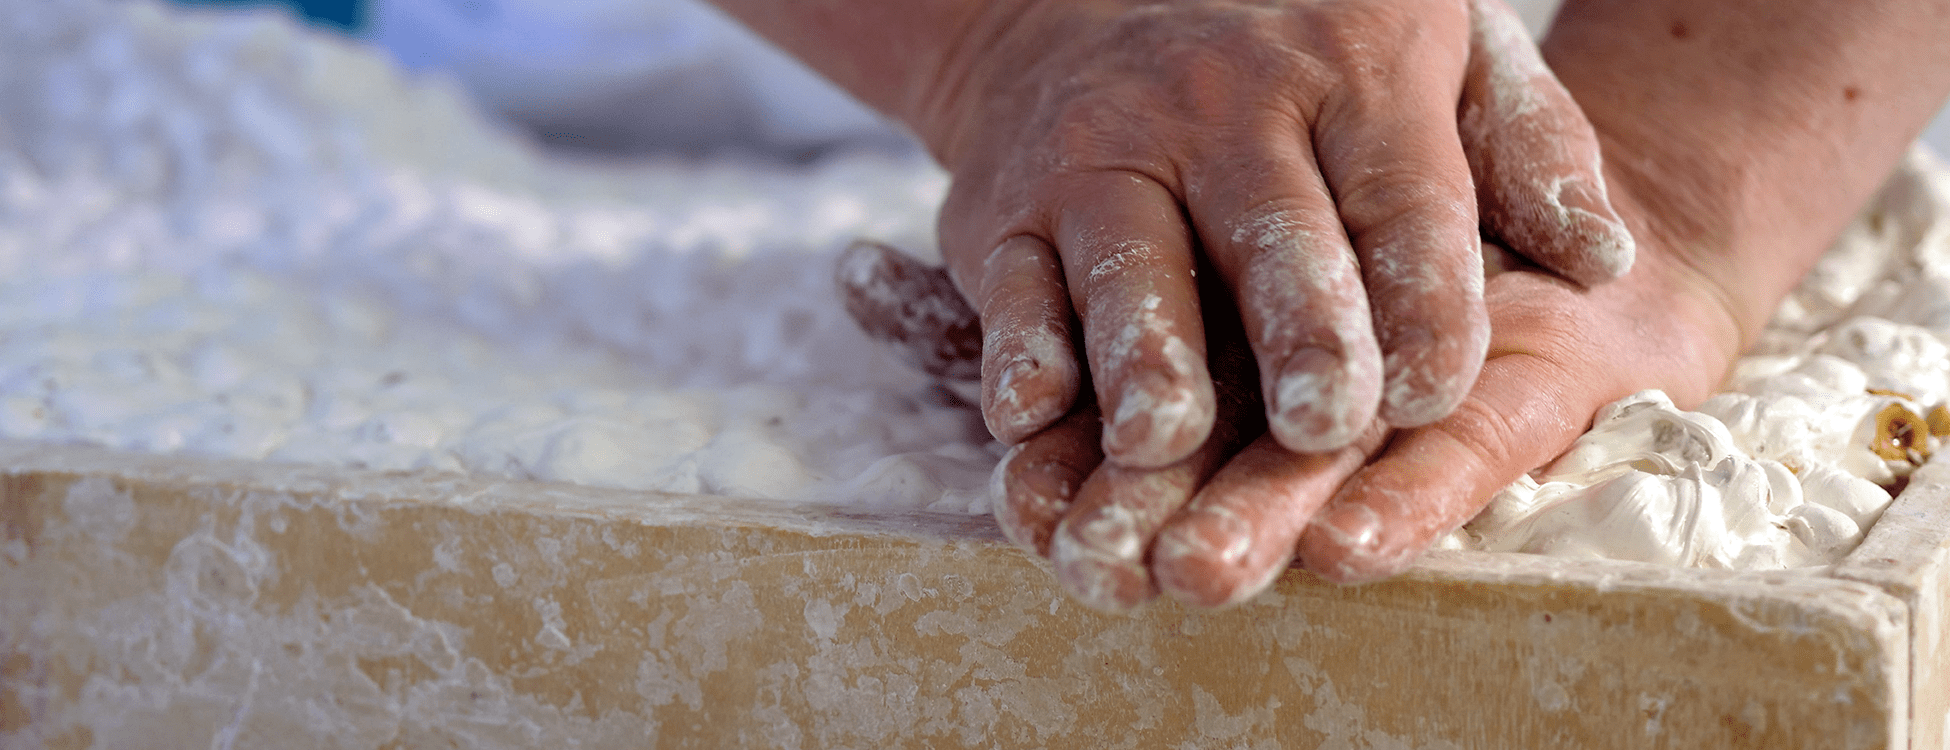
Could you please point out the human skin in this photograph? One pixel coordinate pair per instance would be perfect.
(1310, 152)
(1734, 157)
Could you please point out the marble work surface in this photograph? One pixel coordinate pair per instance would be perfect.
(181, 602)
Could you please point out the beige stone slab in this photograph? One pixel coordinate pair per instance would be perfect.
(181, 602)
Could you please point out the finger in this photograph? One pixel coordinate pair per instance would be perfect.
(1240, 531)
(1275, 236)
(1128, 259)
(1034, 484)
(1539, 182)
(1433, 479)
(1402, 186)
(1030, 376)
(1536, 395)
(1101, 549)
(911, 306)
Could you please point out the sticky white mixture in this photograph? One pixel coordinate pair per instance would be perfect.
(225, 236)
(222, 235)
(1839, 403)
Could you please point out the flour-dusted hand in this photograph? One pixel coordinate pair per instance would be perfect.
(1310, 150)
(1317, 153)
(1415, 315)
(1736, 158)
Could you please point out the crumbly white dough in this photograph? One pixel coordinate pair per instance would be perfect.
(226, 235)
(1778, 471)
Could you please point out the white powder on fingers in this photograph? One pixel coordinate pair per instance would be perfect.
(224, 235)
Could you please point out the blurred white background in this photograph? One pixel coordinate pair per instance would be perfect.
(651, 75)
(627, 75)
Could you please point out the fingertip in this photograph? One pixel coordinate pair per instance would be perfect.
(910, 306)
(1037, 481)
(1026, 509)
(1028, 382)
(1320, 401)
(1242, 530)
(1345, 544)
(1430, 373)
(1607, 248)
(1098, 556)
(1414, 402)
(1101, 551)
(1030, 375)
(1208, 558)
(1164, 411)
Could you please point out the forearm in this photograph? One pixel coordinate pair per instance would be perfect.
(1751, 130)
(892, 54)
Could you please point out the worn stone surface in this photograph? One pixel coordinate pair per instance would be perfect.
(178, 602)
(1908, 555)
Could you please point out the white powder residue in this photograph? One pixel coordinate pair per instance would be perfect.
(1840, 402)
(222, 234)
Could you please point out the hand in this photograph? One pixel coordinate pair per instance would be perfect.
(1732, 189)
(1314, 153)
(1217, 528)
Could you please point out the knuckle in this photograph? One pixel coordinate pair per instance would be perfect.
(1402, 192)
(1109, 126)
(1356, 32)
(1484, 434)
(1196, 58)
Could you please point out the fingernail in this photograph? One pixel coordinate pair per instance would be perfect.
(1311, 402)
(1098, 559)
(1032, 380)
(1028, 500)
(1152, 412)
(1203, 560)
(1356, 528)
(1360, 553)
(1420, 390)
(1579, 195)
(1610, 249)
(1212, 533)
(1008, 409)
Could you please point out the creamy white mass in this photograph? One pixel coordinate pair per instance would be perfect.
(1838, 405)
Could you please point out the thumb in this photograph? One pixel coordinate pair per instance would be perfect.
(1540, 188)
(1558, 353)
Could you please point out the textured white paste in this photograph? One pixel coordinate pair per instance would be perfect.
(226, 235)
(1778, 471)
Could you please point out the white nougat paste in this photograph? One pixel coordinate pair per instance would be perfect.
(1781, 469)
(224, 235)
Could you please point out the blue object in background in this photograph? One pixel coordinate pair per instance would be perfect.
(348, 16)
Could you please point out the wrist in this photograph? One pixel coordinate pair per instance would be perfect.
(896, 56)
(993, 47)
(1747, 153)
